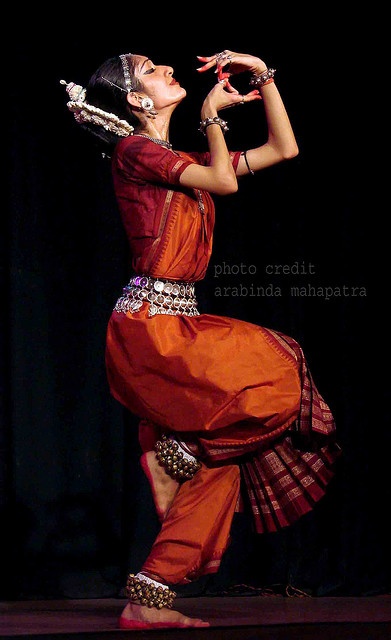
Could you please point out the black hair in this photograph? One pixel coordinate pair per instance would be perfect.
(106, 90)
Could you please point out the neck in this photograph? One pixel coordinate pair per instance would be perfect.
(155, 128)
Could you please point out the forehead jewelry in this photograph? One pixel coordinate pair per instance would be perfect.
(125, 69)
(112, 84)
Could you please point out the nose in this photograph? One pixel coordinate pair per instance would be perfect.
(169, 71)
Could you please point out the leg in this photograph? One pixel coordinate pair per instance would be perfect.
(163, 487)
(166, 468)
(192, 541)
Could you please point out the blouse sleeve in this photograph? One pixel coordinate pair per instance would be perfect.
(142, 160)
(145, 161)
(204, 158)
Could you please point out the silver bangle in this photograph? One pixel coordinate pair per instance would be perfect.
(258, 80)
(216, 120)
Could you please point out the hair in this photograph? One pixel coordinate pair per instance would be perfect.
(102, 94)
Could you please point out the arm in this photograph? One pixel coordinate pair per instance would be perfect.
(219, 176)
(281, 142)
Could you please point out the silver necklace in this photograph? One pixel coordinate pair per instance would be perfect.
(163, 143)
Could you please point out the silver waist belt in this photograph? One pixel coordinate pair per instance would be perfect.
(165, 297)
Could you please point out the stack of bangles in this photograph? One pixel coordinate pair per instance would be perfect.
(216, 120)
(261, 79)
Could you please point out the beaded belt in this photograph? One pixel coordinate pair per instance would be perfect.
(165, 297)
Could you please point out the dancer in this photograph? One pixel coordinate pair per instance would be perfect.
(229, 413)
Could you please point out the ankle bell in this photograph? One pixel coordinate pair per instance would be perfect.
(177, 463)
(148, 592)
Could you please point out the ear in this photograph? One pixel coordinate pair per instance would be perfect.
(133, 99)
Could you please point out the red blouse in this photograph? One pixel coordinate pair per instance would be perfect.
(169, 227)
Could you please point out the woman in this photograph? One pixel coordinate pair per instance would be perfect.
(214, 438)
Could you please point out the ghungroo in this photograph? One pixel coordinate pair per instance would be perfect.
(177, 463)
(148, 592)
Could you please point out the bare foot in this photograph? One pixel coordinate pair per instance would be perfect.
(142, 616)
(164, 488)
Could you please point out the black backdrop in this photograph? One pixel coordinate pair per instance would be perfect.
(76, 510)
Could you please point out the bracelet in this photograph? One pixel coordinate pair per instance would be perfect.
(244, 154)
(216, 120)
(266, 77)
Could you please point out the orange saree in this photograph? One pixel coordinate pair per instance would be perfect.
(240, 395)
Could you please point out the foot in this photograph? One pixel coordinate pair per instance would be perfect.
(164, 488)
(139, 617)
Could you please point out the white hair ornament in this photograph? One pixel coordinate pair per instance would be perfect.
(84, 112)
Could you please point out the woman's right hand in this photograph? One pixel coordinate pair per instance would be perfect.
(222, 96)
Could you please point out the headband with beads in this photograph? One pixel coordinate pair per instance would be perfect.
(126, 71)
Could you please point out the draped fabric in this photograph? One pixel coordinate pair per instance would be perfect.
(285, 481)
(235, 391)
(196, 531)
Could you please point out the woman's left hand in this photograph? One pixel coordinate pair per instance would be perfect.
(229, 63)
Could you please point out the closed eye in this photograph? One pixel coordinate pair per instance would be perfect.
(150, 70)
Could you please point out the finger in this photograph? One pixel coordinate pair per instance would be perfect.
(224, 61)
(221, 64)
(249, 97)
(217, 59)
(206, 66)
(223, 78)
(252, 95)
(242, 98)
(206, 58)
(230, 88)
(221, 74)
(209, 62)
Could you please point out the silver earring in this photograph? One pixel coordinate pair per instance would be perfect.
(147, 104)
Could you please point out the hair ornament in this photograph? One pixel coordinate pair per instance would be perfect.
(84, 112)
(126, 71)
(112, 84)
(75, 91)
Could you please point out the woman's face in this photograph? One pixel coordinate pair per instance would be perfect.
(158, 82)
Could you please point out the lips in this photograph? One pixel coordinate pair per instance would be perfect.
(173, 81)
